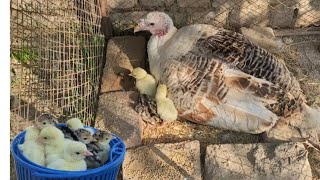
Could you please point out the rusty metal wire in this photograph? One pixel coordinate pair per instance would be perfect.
(56, 58)
(230, 14)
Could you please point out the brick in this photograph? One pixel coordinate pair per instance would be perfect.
(283, 15)
(257, 161)
(226, 4)
(247, 13)
(201, 16)
(158, 3)
(126, 21)
(123, 54)
(263, 37)
(121, 4)
(308, 13)
(163, 161)
(116, 113)
(193, 3)
(281, 132)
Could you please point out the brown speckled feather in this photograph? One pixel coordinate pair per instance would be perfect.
(239, 53)
(196, 77)
(226, 81)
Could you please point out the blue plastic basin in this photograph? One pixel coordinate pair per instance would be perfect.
(27, 170)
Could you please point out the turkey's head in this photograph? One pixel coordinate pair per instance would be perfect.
(157, 23)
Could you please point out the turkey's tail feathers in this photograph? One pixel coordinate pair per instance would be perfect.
(311, 117)
(244, 115)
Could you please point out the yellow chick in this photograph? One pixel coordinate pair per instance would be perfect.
(32, 133)
(74, 154)
(145, 83)
(74, 123)
(53, 140)
(165, 107)
(104, 138)
(31, 148)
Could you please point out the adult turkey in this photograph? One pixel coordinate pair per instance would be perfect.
(218, 77)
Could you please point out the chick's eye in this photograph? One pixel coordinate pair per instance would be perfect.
(85, 138)
(45, 138)
(107, 138)
(151, 24)
(44, 123)
(77, 153)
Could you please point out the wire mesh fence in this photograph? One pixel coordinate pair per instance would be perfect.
(56, 57)
(230, 14)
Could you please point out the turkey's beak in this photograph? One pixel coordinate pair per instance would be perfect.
(141, 26)
(130, 74)
(88, 153)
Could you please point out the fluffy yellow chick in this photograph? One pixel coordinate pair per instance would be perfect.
(32, 133)
(31, 148)
(104, 138)
(74, 123)
(145, 83)
(73, 157)
(53, 140)
(165, 107)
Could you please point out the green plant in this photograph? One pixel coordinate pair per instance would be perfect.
(24, 55)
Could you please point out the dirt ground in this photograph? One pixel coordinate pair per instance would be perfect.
(303, 59)
(302, 56)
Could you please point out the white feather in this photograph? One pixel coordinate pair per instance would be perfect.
(34, 151)
(312, 117)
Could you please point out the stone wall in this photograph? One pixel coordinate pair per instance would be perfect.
(230, 14)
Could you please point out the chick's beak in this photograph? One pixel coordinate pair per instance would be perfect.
(140, 27)
(88, 153)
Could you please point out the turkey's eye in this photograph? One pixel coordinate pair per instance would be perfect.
(77, 153)
(151, 24)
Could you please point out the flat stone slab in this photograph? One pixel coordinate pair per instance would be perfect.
(193, 3)
(121, 4)
(116, 113)
(281, 132)
(163, 161)
(257, 161)
(123, 54)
